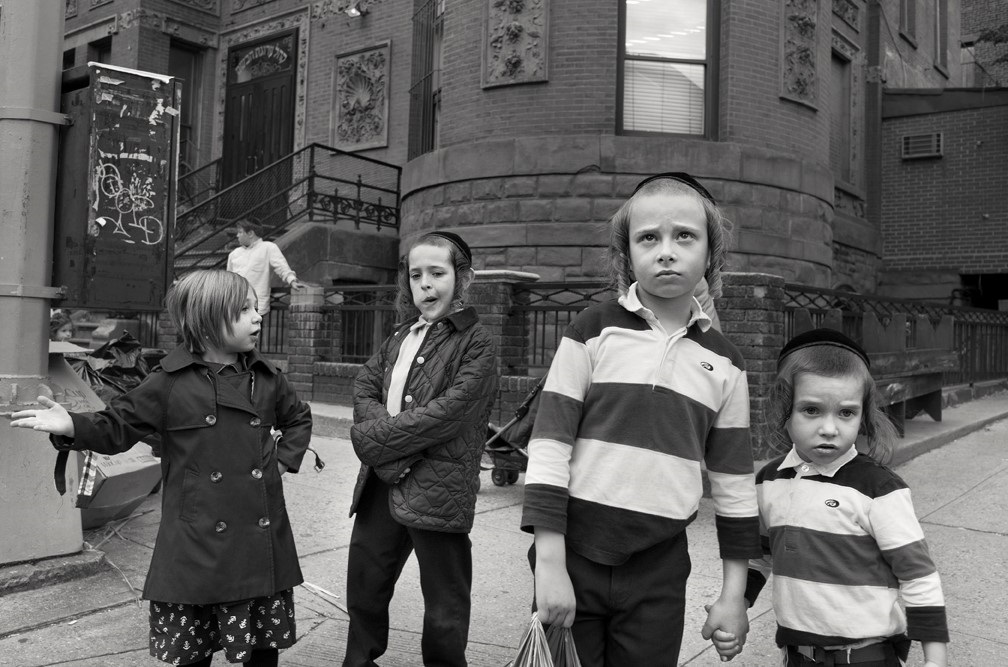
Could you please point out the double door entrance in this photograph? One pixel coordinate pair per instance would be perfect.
(259, 108)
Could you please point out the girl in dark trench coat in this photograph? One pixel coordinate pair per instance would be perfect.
(224, 565)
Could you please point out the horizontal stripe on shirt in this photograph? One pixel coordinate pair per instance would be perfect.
(609, 535)
(684, 367)
(626, 416)
(844, 611)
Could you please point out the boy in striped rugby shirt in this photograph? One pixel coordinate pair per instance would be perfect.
(640, 392)
(842, 538)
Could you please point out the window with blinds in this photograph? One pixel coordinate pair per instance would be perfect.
(665, 67)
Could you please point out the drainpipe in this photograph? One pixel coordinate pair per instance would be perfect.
(34, 520)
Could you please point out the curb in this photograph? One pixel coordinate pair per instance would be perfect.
(35, 574)
(913, 450)
(331, 427)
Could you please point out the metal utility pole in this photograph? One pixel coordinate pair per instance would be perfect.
(34, 520)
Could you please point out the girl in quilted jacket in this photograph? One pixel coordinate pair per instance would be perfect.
(421, 406)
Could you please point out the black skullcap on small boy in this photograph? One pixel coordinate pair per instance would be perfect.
(817, 337)
(457, 240)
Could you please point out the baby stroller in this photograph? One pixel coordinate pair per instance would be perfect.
(505, 453)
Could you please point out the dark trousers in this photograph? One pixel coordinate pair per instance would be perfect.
(631, 614)
(379, 547)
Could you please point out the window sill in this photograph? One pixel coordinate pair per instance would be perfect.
(908, 38)
(941, 69)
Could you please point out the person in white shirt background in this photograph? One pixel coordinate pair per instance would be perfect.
(253, 259)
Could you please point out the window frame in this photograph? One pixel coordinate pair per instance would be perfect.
(711, 75)
(941, 40)
(908, 21)
(425, 79)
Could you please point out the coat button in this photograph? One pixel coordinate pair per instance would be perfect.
(264, 522)
(210, 419)
(256, 473)
(408, 398)
(419, 360)
(255, 422)
(220, 527)
(216, 476)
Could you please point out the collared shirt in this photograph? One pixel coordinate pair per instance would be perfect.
(628, 415)
(407, 352)
(805, 468)
(254, 262)
(632, 302)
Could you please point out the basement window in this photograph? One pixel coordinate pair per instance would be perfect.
(916, 146)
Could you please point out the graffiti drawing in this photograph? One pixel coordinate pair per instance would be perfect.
(131, 201)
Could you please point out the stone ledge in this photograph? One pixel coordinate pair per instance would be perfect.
(35, 574)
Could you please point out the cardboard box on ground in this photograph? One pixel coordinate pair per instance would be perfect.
(117, 484)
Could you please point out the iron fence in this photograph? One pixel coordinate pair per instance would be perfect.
(981, 336)
(368, 318)
(546, 309)
(317, 182)
(198, 185)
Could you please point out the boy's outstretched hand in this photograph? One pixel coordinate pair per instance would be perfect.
(726, 627)
(53, 419)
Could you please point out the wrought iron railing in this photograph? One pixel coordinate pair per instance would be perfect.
(981, 336)
(547, 308)
(198, 185)
(368, 315)
(315, 183)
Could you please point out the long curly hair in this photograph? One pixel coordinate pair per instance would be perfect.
(718, 236)
(878, 433)
(405, 308)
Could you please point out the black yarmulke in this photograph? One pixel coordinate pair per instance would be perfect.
(822, 337)
(457, 240)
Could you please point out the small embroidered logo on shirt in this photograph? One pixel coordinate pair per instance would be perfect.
(832, 503)
(706, 366)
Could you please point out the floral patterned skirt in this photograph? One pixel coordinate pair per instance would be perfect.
(181, 634)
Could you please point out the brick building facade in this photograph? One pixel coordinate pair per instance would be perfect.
(945, 208)
(528, 154)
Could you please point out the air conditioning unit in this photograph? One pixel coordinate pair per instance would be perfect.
(922, 145)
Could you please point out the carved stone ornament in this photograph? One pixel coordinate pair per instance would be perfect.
(242, 5)
(324, 8)
(515, 42)
(70, 10)
(208, 6)
(799, 78)
(360, 99)
(849, 12)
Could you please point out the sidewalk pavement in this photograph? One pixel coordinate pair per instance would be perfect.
(84, 611)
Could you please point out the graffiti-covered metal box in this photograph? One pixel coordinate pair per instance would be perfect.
(116, 190)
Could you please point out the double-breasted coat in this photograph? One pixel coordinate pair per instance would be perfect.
(224, 534)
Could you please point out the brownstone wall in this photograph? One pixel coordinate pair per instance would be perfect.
(527, 204)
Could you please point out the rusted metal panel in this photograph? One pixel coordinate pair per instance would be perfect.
(114, 240)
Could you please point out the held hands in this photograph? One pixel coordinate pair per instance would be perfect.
(727, 626)
(53, 419)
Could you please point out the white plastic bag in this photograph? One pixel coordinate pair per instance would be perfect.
(546, 648)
